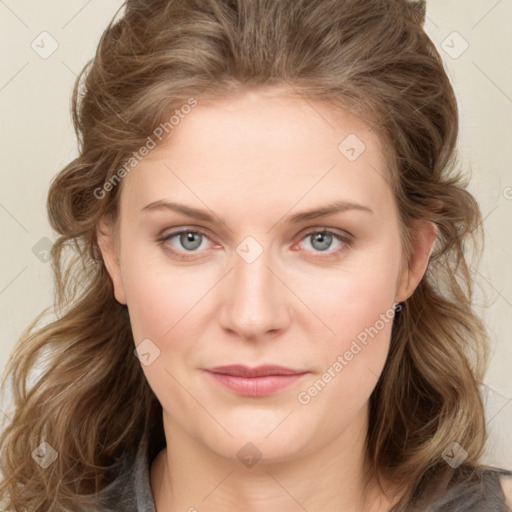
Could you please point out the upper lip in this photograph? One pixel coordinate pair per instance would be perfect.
(239, 370)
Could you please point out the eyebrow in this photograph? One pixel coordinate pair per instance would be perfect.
(324, 211)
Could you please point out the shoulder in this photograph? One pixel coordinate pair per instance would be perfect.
(491, 491)
(131, 490)
(469, 489)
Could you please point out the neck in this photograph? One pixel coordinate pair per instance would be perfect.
(187, 476)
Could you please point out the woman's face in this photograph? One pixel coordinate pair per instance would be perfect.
(256, 283)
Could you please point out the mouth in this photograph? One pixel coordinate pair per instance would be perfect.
(256, 382)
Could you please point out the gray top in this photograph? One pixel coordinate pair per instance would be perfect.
(131, 492)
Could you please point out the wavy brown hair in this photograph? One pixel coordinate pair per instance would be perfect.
(91, 401)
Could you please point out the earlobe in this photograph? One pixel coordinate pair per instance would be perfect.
(423, 240)
(107, 244)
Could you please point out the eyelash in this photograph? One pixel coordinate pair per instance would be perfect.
(345, 240)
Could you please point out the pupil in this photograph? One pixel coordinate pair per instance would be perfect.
(325, 238)
(189, 238)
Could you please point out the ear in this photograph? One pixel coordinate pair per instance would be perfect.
(423, 239)
(105, 234)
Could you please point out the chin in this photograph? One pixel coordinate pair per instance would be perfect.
(267, 443)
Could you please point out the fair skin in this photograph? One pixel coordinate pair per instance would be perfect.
(252, 162)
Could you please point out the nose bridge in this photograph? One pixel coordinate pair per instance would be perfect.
(255, 302)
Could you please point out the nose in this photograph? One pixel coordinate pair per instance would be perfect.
(255, 299)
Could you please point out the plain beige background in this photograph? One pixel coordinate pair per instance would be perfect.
(44, 47)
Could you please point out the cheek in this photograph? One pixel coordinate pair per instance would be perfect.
(161, 298)
(151, 306)
(350, 362)
(359, 311)
(362, 324)
(352, 299)
(164, 308)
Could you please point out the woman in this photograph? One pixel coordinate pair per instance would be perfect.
(269, 304)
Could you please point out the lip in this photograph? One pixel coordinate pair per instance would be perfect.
(240, 370)
(263, 380)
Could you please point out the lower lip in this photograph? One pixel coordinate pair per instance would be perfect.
(256, 386)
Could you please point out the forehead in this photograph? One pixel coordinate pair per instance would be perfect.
(262, 148)
(269, 124)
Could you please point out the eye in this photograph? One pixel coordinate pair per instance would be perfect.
(189, 240)
(321, 240)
